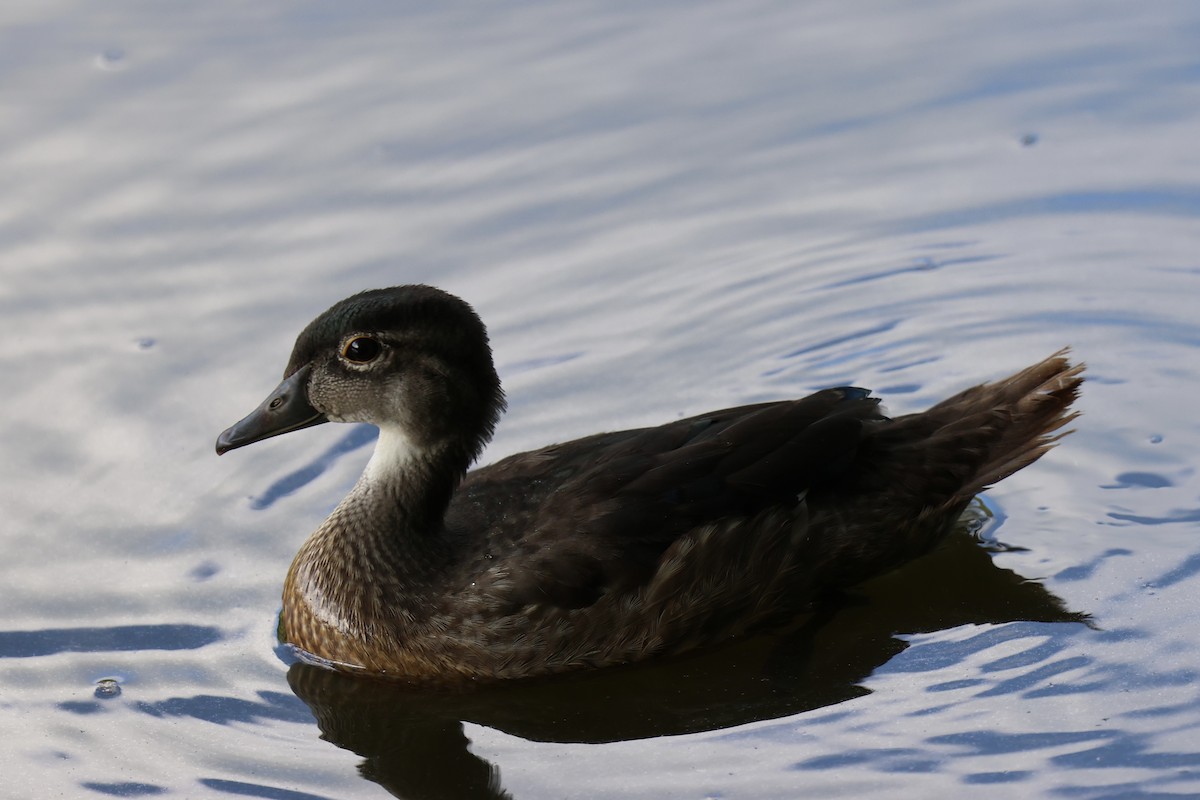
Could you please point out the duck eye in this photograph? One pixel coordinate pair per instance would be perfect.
(361, 349)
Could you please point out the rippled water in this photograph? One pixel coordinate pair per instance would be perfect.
(659, 209)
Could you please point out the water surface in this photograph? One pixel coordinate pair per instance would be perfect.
(658, 209)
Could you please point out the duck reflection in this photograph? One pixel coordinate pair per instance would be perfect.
(413, 741)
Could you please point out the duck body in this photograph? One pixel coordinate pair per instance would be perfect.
(613, 548)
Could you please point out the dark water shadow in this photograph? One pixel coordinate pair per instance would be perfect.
(223, 710)
(257, 790)
(414, 744)
(358, 436)
(119, 638)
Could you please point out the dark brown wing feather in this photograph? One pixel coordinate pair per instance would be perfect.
(577, 520)
(594, 515)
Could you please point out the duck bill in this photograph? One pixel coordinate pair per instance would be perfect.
(285, 410)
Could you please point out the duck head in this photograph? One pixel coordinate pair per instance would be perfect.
(412, 360)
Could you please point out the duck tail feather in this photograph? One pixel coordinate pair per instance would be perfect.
(986, 433)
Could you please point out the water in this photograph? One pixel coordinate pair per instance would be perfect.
(659, 209)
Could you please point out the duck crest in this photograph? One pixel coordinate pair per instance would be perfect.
(619, 546)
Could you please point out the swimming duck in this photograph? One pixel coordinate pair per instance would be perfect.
(616, 547)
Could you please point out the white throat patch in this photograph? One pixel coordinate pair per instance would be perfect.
(393, 453)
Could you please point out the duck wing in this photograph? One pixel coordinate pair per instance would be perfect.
(582, 519)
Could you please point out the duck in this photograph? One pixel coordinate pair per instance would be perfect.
(617, 547)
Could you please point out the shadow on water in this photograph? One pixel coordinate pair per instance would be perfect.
(30, 644)
(414, 744)
(358, 436)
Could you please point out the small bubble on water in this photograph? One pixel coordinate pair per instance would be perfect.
(1029, 139)
(107, 688)
(204, 571)
(1156, 439)
(111, 59)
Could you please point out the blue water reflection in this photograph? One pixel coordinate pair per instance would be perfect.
(243, 789)
(1171, 201)
(137, 638)
(228, 710)
(658, 208)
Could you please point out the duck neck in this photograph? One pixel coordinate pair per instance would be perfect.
(406, 489)
(396, 510)
(383, 546)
